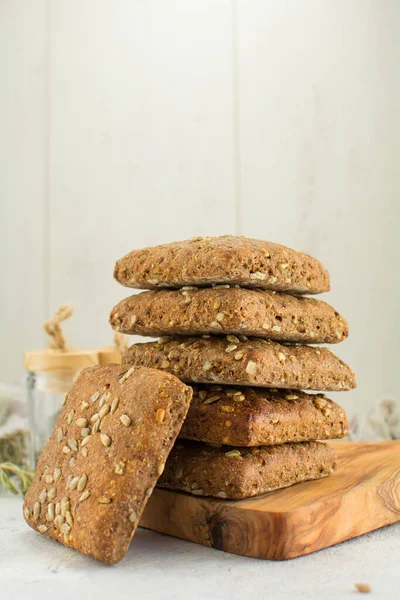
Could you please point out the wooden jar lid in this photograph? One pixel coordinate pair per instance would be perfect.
(109, 355)
(69, 360)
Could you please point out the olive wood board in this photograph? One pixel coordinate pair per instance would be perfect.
(362, 495)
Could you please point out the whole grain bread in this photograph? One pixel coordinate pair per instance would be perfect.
(226, 259)
(236, 473)
(260, 313)
(106, 452)
(243, 361)
(261, 416)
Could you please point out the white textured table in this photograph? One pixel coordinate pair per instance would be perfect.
(158, 566)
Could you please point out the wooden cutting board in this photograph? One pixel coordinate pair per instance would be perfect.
(363, 495)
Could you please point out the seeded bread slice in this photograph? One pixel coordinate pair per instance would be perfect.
(261, 313)
(106, 452)
(236, 473)
(225, 259)
(252, 362)
(261, 417)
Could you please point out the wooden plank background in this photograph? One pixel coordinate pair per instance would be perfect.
(130, 123)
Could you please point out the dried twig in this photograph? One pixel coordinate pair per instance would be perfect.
(15, 479)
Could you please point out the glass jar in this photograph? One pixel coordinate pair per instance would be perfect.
(50, 376)
(46, 392)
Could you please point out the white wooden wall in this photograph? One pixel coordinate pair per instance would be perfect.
(132, 122)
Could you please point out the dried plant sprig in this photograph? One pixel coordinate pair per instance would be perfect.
(13, 448)
(15, 479)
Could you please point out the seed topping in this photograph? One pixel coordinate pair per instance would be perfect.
(59, 520)
(258, 275)
(65, 528)
(239, 398)
(230, 348)
(126, 375)
(65, 505)
(105, 439)
(212, 399)
(84, 496)
(50, 511)
(125, 420)
(96, 427)
(233, 453)
(105, 410)
(82, 482)
(119, 468)
(42, 528)
(160, 415)
(73, 483)
(132, 516)
(104, 399)
(36, 511)
(73, 444)
(114, 405)
(251, 367)
(104, 500)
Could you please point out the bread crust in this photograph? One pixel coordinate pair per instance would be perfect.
(104, 456)
(237, 473)
(223, 260)
(253, 362)
(259, 313)
(261, 416)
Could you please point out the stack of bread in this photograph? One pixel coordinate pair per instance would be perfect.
(234, 323)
